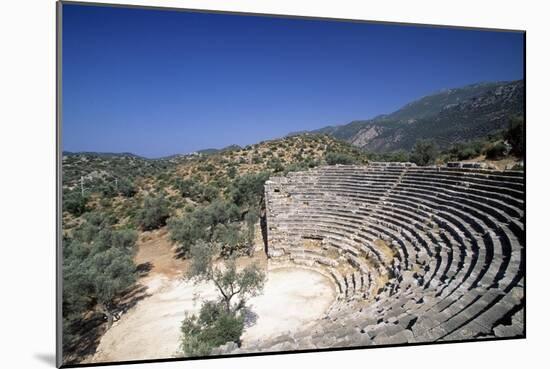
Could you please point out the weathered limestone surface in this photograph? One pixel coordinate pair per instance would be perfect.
(419, 254)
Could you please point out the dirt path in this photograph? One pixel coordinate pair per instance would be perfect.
(155, 251)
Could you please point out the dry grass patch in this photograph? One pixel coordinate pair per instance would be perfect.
(386, 251)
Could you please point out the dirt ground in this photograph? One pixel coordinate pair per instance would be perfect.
(292, 299)
(156, 250)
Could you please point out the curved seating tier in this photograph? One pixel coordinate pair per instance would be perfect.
(417, 254)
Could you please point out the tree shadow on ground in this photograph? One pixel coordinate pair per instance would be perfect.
(179, 253)
(250, 317)
(143, 269)
(87, 332)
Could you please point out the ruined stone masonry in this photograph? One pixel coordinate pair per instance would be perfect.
(417, 254)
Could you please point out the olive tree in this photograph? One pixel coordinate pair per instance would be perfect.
(75, 202)
(424, 152)
(230, 282)
(204, 223)
(221, 320)
(109, 273)
(247, 189)
(98, 267)
(154, 213)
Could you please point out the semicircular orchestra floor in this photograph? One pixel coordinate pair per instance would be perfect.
(293, 298)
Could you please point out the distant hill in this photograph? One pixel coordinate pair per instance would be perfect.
(103, 154)
(448, 116)
(215, 151)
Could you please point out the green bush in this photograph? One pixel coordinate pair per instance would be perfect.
(309, 162)
(515, 136)
(497, 151)
(108, 190)
(248, 189)
(186, 231)
(127, 188)
(109, 273)
(230, 238)
(467, 153)
(154, 213)
(97, 267)
(231, 172)
(276, 165)
(201, 223)
(75, 203)
(188, 187)
(333, 158)
(295, 167)
(424, 152)
(465, 150)
(212, 328)
(209, 193)
(399, 156)
(195, 190)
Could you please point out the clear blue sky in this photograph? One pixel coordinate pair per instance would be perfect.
(157, 83)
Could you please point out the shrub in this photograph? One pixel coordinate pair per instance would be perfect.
(124, 239)
(515, 136)
(109, 273)
(424, 153)
(209, 193)
(188, 187)
(97, 267)
(276, 165)
(186, 231)
(212, 328)
(231, 172)
(333, 158)
(108, 190)
(229, 237)
(465, 151)
(154, 213)
(195, 190)
(398, 156)
(497, 151)
(295, 167)
(309, 162)
(127, 188)
(75, 203)
(248, 189)
(200, 224)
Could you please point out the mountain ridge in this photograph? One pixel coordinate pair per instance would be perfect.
(452, 115)
(447, 116)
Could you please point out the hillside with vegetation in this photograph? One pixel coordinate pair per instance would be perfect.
(111, 201)
(447, 117)
(502, 149)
